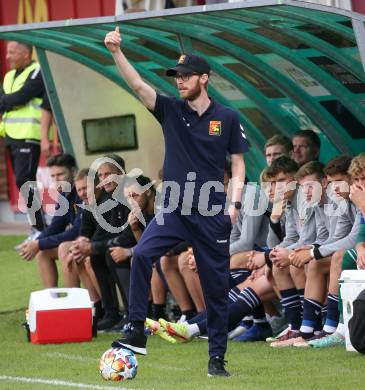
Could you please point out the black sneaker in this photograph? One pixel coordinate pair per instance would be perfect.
(216, 367)
(107, 322)
(119, 326)
(134, 340)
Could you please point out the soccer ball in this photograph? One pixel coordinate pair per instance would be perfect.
(118, 364)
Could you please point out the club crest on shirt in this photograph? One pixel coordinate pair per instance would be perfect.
(182, 59)
(215, 127)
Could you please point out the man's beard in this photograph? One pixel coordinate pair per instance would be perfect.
(194, 93)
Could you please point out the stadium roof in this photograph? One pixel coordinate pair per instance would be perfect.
(284, 65)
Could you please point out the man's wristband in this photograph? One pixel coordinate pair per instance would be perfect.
(237, 205)
(317, 254)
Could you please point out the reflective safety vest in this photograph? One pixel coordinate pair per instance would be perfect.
(22, 122)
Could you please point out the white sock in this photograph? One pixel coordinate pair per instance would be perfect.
(341, 329)
(306, 329)
(329, 329)
(272, 318)
(193, 330)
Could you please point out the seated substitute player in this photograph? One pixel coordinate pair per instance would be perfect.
(64, 226)
(289, 279)
(250, 233)
(337, 214)
(251, 228)
(198, 132)
(306, 147)
(76, 269)
(120, 248)
(299, 228)
(280, 186)
(93, 240)
(353, 258)
(277, 146)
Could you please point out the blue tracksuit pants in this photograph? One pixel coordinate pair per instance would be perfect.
(209, 237)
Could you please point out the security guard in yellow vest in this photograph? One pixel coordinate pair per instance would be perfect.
(23, 90)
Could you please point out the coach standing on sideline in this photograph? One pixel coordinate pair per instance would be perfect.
(198, 132)
(20, 108)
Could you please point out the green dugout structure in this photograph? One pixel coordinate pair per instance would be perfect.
(284, 65)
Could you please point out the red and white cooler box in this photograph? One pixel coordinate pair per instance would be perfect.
(60, 315)
(352, 282)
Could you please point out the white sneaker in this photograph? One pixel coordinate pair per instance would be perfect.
(272, 339)
(240, 329)
(34, 234)
(182, 319)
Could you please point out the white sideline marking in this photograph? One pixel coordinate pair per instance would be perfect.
(66, 356)
(56, 382)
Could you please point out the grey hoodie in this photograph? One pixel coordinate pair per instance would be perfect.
(300, 225)
(343, 228)
(249, 230)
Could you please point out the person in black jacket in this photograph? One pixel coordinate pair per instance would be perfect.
(93, 240)
(65, 223)
(120, 248)
(75, 268)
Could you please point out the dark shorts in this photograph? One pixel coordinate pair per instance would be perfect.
(24, 157)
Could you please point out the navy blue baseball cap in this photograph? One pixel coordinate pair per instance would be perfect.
(189, 63)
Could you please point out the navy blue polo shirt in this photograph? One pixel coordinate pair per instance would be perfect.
(198, 144)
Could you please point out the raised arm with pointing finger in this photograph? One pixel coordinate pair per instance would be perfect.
(145, 92)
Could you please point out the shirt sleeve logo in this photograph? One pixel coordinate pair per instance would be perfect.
(215, 127)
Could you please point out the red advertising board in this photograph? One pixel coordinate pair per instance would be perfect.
(358, 6)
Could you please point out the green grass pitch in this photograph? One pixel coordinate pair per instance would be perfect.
(183, 366)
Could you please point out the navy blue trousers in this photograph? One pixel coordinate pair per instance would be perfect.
(209, 237)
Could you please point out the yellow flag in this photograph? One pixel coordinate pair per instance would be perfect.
(26, 15)
(41, 11)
